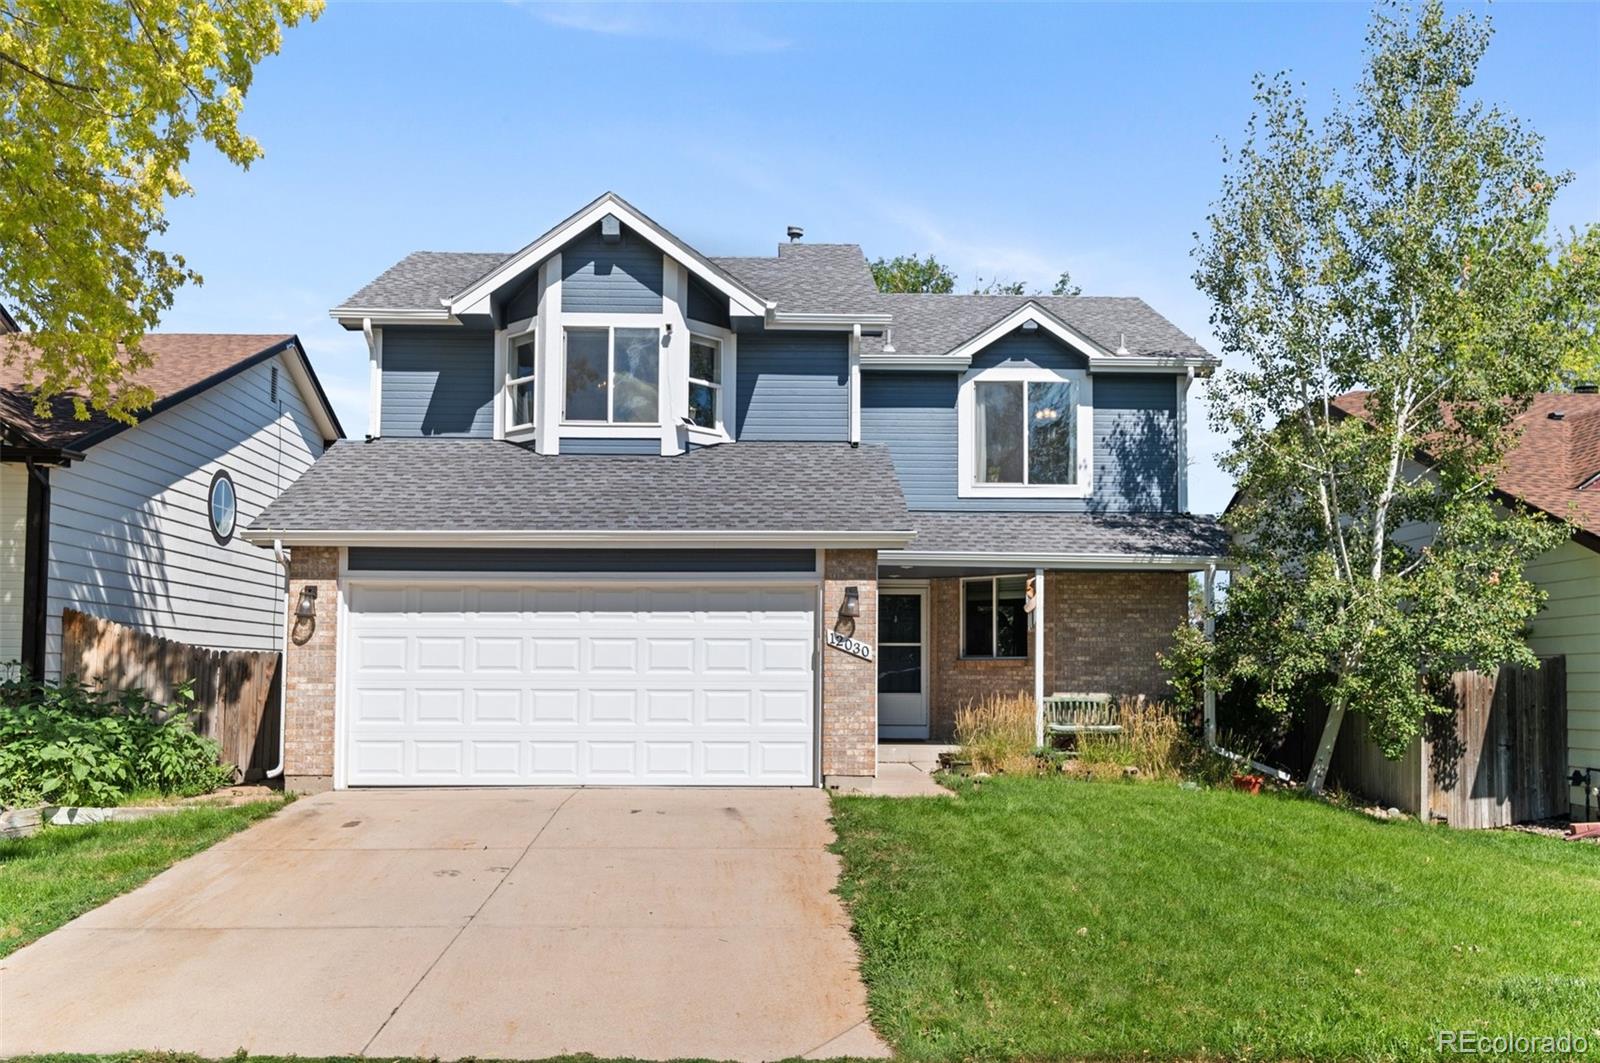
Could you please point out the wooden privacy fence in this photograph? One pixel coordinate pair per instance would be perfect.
(236, 692)
(1501, 758)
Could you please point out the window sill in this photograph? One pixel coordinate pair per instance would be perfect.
(707, 437)
(964, 659)
(1024, 491)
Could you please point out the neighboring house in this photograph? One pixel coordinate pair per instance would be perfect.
(136, 523)
(634, 515)
(1555, 468)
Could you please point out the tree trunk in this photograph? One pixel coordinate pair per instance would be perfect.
(1324, 758)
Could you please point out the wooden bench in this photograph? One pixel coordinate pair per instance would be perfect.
(1079, 714)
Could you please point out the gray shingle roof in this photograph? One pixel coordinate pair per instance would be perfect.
(421, 279)
(934, 324)
(462, 485)
(810, 278)
(1032, 534)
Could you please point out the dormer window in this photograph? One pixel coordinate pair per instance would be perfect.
(1025, 432)
(613, 375)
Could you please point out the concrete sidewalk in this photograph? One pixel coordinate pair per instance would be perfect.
(505, 924)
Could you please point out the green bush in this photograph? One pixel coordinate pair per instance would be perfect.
(70, 744)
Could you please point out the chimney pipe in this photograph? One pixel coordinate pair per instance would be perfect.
(795, 233)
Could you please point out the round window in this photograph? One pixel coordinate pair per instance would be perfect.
(224, 507)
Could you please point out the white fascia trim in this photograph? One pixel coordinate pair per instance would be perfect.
(931, 559)
(1152, 363)
(353, 316)
(745, 300)
(1032, 311)
(825, 321)
(911, 361)
(300, 373)
(610, 537)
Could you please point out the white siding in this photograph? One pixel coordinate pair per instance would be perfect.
(129, 536)
(13, 552)
(1570, 624)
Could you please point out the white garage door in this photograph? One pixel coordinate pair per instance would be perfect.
(639, 685)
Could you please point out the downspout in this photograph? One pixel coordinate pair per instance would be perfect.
(1210, 622)
(283, 663)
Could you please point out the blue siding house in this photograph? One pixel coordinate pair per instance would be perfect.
(636, 514)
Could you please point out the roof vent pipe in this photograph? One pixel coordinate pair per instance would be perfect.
(795, 233)
(1122, 344)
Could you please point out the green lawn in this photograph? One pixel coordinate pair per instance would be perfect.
(1048, 919)
(62, 872)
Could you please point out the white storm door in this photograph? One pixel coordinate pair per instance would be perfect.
(504, 684)
(902, 663)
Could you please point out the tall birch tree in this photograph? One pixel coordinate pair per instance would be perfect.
(1397, 246)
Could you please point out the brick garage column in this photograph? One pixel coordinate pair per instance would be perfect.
(849, 684)
(1106, 629)
(312, 672)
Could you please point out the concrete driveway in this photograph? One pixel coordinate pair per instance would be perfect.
(504, 924)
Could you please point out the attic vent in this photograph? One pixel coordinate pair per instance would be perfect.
(795, 233)
(272, 388)
(610, 229)
(1586, 389)
(1557, 415)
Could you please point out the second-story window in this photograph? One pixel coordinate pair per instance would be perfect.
(1025, 432)
(521, 381)
(613, 375)
(705, 382)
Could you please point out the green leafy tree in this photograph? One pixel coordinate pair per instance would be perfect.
(913, 273)
(1398, 246)
(1064, 285)
(994, 286)
(100, 104)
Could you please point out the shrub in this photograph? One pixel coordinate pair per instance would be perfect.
(997, 733)
(67, 743)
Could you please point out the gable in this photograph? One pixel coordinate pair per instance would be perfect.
(619, 276)
(1022, 349)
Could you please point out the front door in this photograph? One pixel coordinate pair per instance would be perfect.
(902, 663)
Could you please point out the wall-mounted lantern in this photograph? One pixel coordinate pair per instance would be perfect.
(306, 607)
(851, 606)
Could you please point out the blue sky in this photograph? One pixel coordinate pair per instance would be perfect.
(1009, 140)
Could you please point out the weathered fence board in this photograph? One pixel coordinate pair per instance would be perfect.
(1501, 758)
(236, 692)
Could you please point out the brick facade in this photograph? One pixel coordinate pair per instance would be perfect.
(311, 671)
(1103, 631)
(849, 684)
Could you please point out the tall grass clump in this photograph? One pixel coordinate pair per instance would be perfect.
(996, 734)
(1153, 740)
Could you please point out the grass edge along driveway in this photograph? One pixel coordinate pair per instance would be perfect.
(1052, 919)
(54, 876)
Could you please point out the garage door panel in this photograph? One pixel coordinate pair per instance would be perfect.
(492, 684)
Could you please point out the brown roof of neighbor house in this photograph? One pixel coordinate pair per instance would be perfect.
(184, 362)
(1555, 465)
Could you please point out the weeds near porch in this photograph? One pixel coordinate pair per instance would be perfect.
(996, 734)
(1153, 740)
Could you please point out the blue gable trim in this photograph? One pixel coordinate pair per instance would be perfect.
(534, 560)
(794, 386)
(602, 278)
(438, 382)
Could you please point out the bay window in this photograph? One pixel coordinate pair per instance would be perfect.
(994, 623)
(520, 382)
(613, 375)
(705, 382)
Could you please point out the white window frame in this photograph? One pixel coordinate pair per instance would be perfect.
(510, 337)
(728, 343)
(994, 621)
(610, 426)
(967, 485)
(719, 418)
